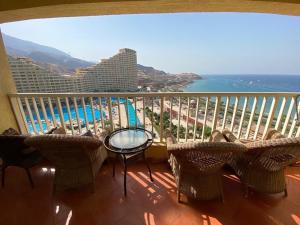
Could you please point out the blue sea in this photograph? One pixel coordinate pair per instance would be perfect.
(246, 83)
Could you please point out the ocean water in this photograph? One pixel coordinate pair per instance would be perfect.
(246, 83)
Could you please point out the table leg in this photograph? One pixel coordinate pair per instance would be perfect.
(114, 164)
(125, 174)
(144, 158)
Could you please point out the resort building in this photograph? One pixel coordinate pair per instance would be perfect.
(118, 73)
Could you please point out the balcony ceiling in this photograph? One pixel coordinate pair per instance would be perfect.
(14, 10)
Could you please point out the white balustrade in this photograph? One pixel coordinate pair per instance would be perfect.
(251, 119)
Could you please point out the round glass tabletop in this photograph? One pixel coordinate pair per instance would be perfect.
(127, 139)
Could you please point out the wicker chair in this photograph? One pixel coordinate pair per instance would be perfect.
(14, 152)
(262, 166)
(77, 159)
(197, 166)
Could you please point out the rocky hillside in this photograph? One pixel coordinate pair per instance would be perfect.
(158, 79)
(44, 55)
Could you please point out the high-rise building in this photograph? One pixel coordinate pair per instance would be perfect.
(118, 73)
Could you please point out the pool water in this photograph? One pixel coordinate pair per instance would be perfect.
(131, 115)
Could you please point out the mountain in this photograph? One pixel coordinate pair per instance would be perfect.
(43, 54)
(150, 70)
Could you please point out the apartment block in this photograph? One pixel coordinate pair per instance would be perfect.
(118, 73)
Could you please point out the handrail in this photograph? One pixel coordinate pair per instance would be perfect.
(158, 94)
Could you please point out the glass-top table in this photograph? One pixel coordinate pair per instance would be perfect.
(129, 144)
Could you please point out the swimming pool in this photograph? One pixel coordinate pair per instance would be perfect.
(131, 115)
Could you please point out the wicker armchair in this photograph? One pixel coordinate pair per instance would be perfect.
(197, 166)
(14, 152)
(77, 159)
(262, 166)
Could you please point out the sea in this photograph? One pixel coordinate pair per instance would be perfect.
(249, 83)
(246, 83)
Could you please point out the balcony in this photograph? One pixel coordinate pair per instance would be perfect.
(193, 116)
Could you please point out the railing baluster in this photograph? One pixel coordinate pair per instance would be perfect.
(119, 113)
(271, 115)
(280, 114)
(144, 116)
(23, 114)
(261, 114)
(69, 115)
(101, 112)
(225, 112)
(294, 122)
(196, 119)
(253, 111)
(178, 118)
(87, 125)
(187, 119)
(30, 115)
(171, 109)
(161, 118)
(61, 115)
(110, 114)
(37, 113)
(52, 112)
(298, 120)
(135, 110)
(126, 109)
(77, 114)
(288, 115)
(298, 132)
(44, 112)
(93, 115)
(216, 113)
(242, 117)
(19, 118)
(205, 118)
(235, 109)
(152, 116)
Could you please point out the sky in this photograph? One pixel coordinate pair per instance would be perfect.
(203, 43)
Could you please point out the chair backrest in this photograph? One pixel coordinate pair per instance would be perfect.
(11, 148)
(65, 151)
(275, 152)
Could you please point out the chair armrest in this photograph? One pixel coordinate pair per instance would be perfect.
(103, 134)
(217, 136)
(277, 162)
(229, 136)
(273, 134)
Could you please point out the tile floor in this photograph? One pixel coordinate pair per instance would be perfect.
(146, 203)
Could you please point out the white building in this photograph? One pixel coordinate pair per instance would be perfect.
(118, 73)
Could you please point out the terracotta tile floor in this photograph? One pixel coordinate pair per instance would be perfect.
(147, 203)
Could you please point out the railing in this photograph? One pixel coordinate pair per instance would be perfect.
(190, 116)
